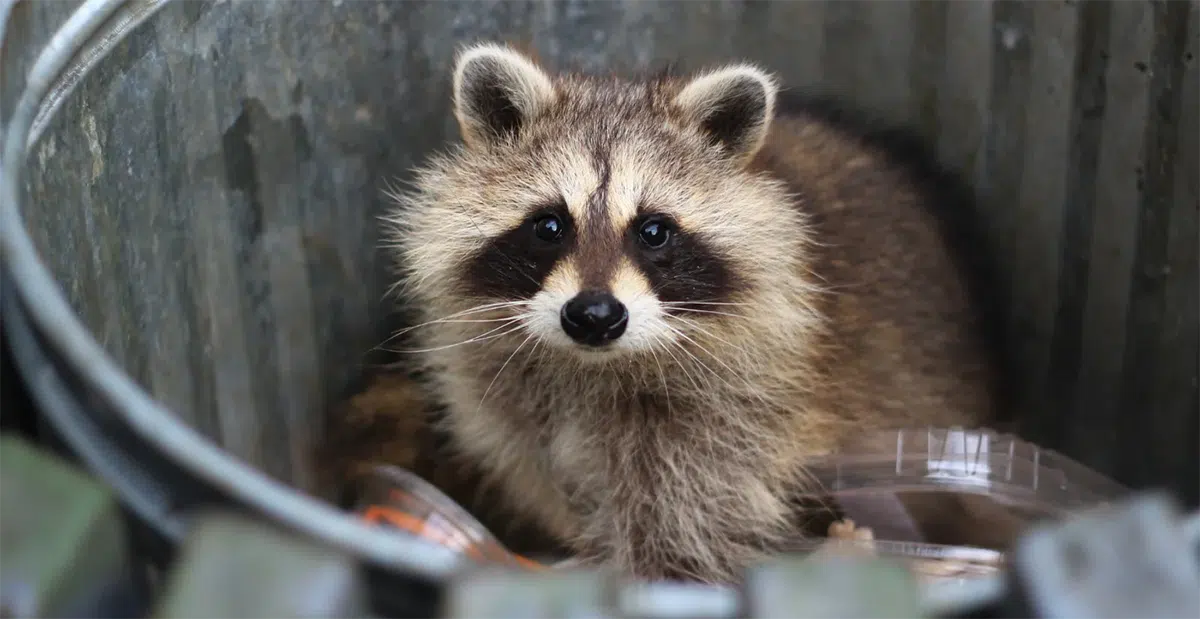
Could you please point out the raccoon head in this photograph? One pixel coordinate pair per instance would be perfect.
(616, 216)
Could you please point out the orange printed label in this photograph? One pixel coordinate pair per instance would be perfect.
(446, 536)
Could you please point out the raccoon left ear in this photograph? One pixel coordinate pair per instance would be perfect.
(733, 106)
(497, 90)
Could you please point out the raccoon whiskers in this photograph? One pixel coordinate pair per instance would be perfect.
(697, 326)
(693, 310)
(689, 306)
(707, 383)
(661, 374)
(525, 341)
(750, 390)
(457, 316)
(697, 359)
(394, 189)
(479, 338)
(681, 365)
(686, 303)
(743, 354)
(532, 351)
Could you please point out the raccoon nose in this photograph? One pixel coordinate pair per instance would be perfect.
(594, 318)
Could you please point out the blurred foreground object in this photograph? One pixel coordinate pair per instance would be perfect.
(64, 552)
(63, 547)
(947, 502)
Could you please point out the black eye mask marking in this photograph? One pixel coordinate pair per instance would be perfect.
(515, 264)
(680, 265)
(684, 267)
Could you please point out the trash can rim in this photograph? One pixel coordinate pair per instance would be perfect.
(53, 317)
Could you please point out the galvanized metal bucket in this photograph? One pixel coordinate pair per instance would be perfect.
(162, 466)
(188, 195)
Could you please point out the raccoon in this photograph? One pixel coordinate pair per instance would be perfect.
(647, 302)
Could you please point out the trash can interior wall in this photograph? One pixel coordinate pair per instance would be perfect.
(208, 196)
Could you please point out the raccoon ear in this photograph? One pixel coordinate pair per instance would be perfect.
(733, 106)
(496, 92)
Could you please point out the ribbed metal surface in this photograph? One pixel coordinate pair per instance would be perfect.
(207, 196)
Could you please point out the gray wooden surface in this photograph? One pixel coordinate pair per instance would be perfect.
(208, 196)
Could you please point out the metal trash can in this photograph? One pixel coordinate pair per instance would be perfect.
(190, 189)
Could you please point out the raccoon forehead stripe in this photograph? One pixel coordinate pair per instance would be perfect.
(599, 251)
(576, 178)
(599, 245)
(597, 214)
(625, 191)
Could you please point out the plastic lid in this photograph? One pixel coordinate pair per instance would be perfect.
(1000, 466)
(883, 482)
(947, 502)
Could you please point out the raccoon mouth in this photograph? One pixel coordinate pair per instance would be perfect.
(604, 355)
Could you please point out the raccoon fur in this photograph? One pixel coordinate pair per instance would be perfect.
(647, 302)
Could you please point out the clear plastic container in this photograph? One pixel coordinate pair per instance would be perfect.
(394, 497)
(948, 502)
(974, 461)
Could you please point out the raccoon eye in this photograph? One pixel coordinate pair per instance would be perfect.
(548, 228)
(654, 233)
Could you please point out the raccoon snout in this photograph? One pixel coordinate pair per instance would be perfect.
(594, 318)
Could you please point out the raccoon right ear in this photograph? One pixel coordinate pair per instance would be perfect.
(733, 107)
(496, 92)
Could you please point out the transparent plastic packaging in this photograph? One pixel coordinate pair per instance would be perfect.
(975, 461)
(947, 502)
(394, 497)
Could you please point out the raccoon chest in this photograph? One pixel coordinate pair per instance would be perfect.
(576, 462)
(581, 444)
